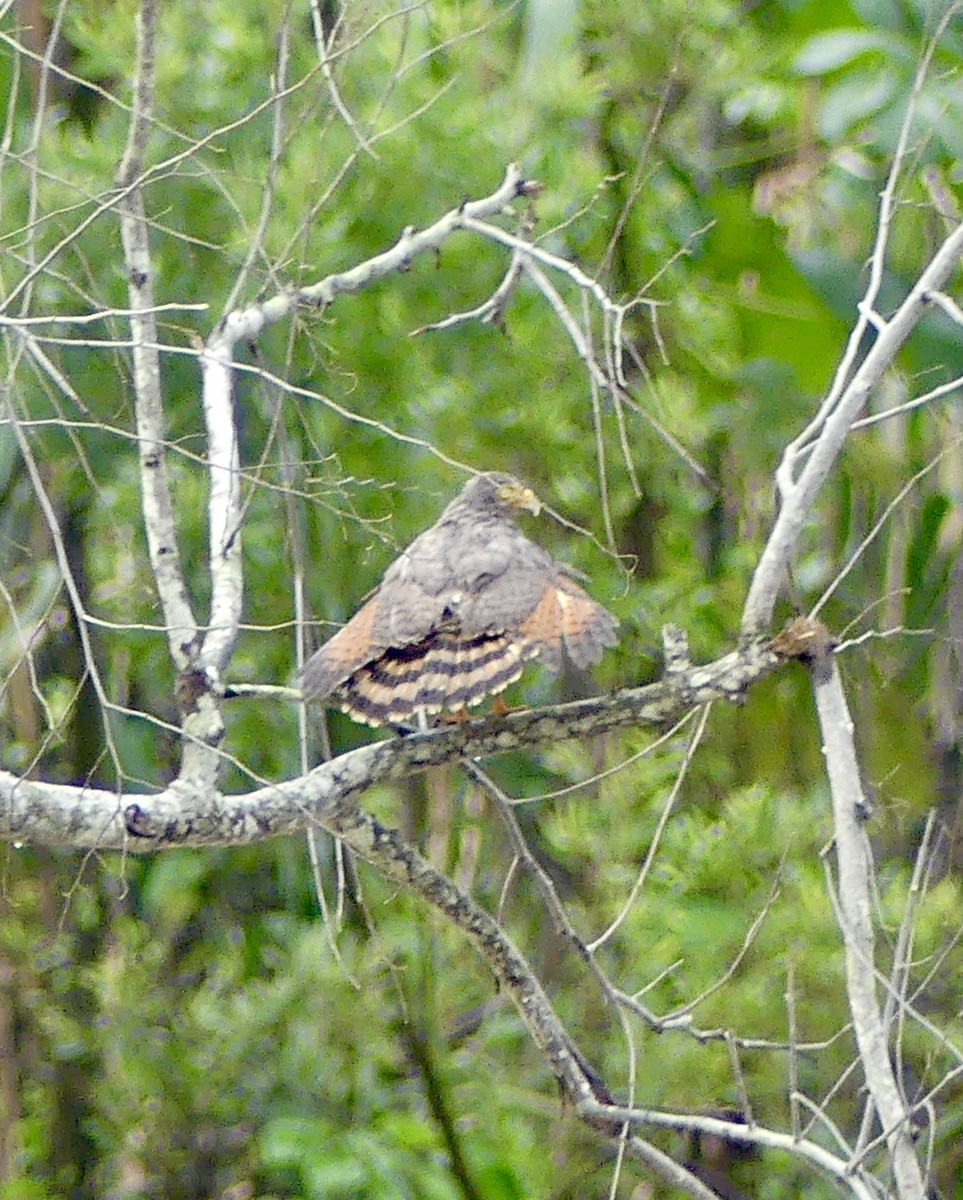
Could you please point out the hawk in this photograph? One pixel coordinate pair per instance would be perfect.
(458, 615)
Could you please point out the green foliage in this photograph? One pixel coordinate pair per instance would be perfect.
(180, 1026)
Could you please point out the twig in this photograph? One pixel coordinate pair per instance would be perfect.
(695, 740)
(598, 776)
(747, 940)
(256, 246)
(324, 49)
(793, 1065)
(492, 310)
(874, 532)
(584, 351)
(611, 1115)
(543, 883)
(49, 512)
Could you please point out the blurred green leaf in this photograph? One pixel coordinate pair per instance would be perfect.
(829, 51)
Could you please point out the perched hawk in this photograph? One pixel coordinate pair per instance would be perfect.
(457, 616)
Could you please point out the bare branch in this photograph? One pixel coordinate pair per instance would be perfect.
(887, 512)
(600, 377)
(70, 584)
(278, 87)
(246, 324)
(156, 499)
(492, 310)
(185, 814)
(850, 390)
(856, 923)
(770, 574)
(610, 1115)
(324, 49)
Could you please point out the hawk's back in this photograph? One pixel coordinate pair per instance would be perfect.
(458, 614)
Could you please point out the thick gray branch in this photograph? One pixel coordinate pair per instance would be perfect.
(223, 508)
(188, 815)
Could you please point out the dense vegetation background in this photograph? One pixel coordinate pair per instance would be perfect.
(180, 1025)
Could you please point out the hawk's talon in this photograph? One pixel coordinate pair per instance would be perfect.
(458, 716)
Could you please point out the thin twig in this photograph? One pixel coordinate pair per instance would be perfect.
(695, 740)
(615, 1116)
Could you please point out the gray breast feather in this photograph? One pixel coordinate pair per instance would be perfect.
(503, 603)
(505, 599)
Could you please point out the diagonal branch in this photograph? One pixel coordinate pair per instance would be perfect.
(247, 323)
(798, 499)
(386, 850)
(192, 813)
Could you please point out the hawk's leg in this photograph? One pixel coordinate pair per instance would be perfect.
(501, 709)
(457, 716)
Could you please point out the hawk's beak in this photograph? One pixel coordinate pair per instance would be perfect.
(518, 496)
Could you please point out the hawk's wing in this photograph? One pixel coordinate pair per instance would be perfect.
(535, 601)
(350, 648)
(567, 621)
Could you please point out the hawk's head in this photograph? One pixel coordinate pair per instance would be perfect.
(498, 493)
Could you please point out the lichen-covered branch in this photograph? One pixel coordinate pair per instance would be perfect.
(188, 814)
(156, 499)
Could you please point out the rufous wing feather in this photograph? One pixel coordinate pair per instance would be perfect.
(350, 648)
(587, 627)
(568, 620)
